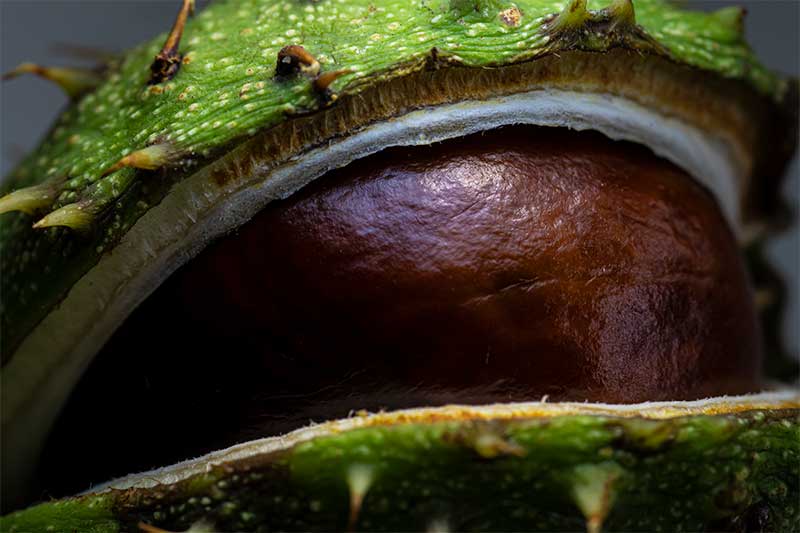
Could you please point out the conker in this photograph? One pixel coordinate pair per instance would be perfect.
(552, 262)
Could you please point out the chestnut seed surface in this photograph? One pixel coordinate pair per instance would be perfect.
(560, 263)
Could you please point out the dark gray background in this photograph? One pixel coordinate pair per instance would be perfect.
(33, 31)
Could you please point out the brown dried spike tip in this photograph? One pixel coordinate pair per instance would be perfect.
(74, 81)
(323, 82)
(295, 59)
(168, 61)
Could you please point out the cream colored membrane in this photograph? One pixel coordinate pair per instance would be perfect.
(502, 411)
(51, 359)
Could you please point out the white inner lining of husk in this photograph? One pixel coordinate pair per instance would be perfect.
(502, 411)
(51, 359)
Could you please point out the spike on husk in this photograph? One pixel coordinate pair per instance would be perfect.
(295, 59)
(323, 82)
(489, 445)
(77, 216)
(488, 440)
(359, 480)
(150, 158)
(615, 25)
(75, 82)
(29, 200)
(732, 17)
(574, 15)
(168, 61)
(622, 12)
(593, 489)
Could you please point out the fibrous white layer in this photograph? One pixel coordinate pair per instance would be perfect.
(51, 359)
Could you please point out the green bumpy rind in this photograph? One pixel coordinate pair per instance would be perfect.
(722, 472)
(226, 90)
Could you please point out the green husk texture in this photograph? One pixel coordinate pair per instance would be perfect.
(723, 472)
(226, 91)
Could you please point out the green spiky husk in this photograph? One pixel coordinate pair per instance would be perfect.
(226, 92)
(718, 472)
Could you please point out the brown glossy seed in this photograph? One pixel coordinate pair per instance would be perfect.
(564, 264)
(503, 266)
